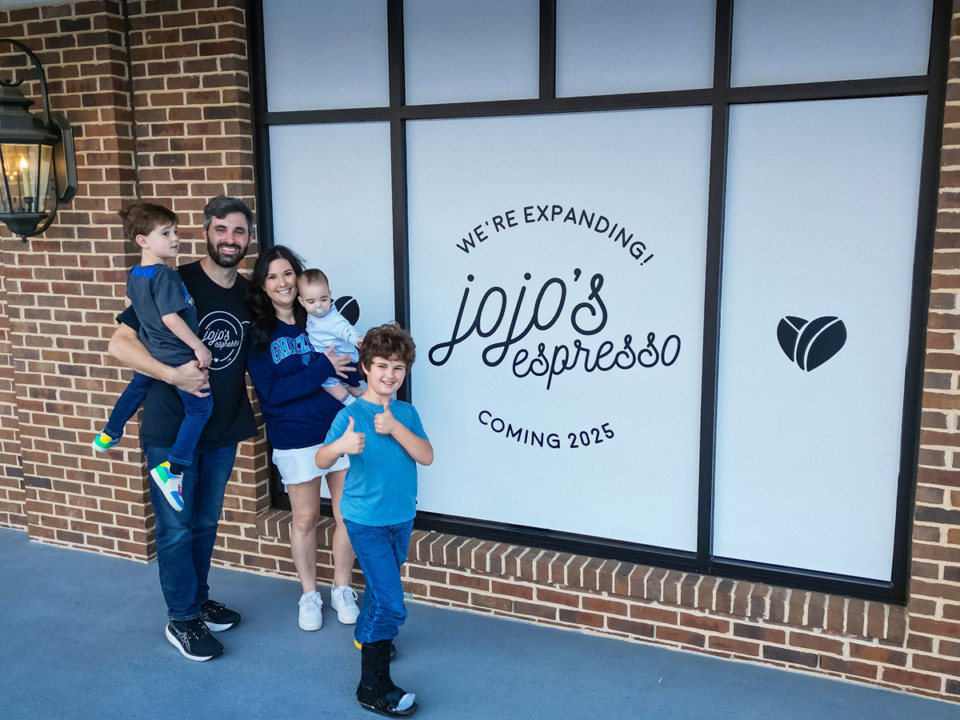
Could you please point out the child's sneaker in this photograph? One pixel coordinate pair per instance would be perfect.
(344, 601)
(103, 442)
(169, 484)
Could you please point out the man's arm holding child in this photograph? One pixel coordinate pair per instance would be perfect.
(417, 447)
(126, 347)
(178, 326)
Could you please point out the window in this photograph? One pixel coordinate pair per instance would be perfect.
(660, 261)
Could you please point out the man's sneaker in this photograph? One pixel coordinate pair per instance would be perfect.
(103, 442)
(393, 649)
(344, 601)
(218, 617)
(311, 617)
(193, 640)
(169, 484)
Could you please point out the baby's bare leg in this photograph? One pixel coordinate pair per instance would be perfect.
(338, 391)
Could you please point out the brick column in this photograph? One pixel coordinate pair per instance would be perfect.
(63, 289)
(195, 141)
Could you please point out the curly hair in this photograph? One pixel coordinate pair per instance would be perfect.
(142, 218)
(387, 341)
(264, 317)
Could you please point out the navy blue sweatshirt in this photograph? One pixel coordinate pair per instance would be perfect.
(288, 378)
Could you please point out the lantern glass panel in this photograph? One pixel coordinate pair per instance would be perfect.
(45, 184)
(20, 163)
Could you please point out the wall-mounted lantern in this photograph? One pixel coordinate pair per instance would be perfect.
(38, 164)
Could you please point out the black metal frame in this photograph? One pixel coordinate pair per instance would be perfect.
(720, 97)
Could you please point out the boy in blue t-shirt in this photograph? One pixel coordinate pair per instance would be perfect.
(385, 440)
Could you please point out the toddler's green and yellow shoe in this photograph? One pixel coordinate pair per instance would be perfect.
(103, 442)
(169, 484)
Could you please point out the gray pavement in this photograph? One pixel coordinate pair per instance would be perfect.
(81, 636)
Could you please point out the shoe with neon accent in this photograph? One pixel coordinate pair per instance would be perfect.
(169, 484)
(343, 598)
(103, 442)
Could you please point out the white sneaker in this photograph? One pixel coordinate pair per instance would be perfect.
(311, 617)
(344, 601)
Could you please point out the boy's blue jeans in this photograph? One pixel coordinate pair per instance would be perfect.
(198, 410)
(185, 539)
(127, 404)
(381, 551)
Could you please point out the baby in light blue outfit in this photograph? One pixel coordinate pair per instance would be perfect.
(326, 327)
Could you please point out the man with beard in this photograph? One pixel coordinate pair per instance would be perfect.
(185, 539)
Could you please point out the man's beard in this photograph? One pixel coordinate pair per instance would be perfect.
(226, 262)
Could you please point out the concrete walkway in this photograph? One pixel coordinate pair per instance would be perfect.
(82, 637)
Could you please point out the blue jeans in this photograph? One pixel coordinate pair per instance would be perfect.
(185, 539)
(198, 411)
(381, 551)
(127, 404)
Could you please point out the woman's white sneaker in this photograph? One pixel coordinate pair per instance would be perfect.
(344, 601)
(311, 615)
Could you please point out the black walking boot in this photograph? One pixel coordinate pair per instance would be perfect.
(376, 691)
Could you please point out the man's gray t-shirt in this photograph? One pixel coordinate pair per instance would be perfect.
(155, 291)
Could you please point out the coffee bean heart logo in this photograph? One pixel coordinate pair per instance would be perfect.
(811, 344)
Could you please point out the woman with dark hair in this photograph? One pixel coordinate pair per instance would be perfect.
(288, 376)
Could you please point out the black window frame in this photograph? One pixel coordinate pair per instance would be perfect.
(720, 97)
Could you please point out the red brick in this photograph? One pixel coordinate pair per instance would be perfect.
(556, 597)
(511, 589)
(707, 624)
(638, 629)
(677, 635)
(906, 678)
(546, 612)
(848, 667)
(732, 645)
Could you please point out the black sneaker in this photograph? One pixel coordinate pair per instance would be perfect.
(193, 640)
(218, 617)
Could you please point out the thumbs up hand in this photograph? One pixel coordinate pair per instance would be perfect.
(384, 423)
(352, 440)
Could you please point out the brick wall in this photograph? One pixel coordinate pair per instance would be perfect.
(158, 93)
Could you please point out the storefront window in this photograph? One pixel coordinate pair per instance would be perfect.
(626, 46)
(663, 262)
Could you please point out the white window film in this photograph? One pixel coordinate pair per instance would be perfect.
(332, 204)
(325, 54)
(785, 41)
(557, 267)
(471, 50)
(629, 46)
(821, 215)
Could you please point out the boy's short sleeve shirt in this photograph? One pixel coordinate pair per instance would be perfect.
(155, 291)
(381, 484)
